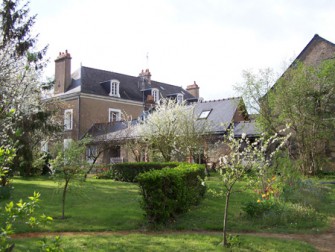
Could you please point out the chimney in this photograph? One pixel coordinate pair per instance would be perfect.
(145, 78)
(62, 72)
(193, 89)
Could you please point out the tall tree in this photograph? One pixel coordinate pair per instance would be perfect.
(21, 67)
(304, 97)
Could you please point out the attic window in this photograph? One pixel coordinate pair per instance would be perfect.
(155, 94)
(114, 88)
(180, 98)
(204, 114)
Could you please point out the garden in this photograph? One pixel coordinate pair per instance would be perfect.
(106, 215)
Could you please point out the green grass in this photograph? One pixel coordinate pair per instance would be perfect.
(98, 205)
(106, 205)
(169, 242)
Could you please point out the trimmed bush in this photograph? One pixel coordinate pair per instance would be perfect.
(168, 192)
(128, 172)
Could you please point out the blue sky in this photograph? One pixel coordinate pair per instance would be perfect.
(207, 41)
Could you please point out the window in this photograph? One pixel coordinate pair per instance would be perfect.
(115, 88)
(155, 94)
(204, 114)
(91, 153)
(66, 143)
(114, 115)
(180, 98)
(68, 119)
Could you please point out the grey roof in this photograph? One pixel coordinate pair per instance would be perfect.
(220, 118)
(96, 81)
(222, 112)
(247, 127)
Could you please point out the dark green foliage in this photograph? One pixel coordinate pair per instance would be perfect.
(168, 192)
(128, 172)
(258, 209)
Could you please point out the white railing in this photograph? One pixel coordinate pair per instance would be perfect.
(116, 160)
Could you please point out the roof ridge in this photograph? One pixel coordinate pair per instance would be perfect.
(222, 99)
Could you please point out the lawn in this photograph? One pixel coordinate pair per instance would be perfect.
(106, 205)
(160, 242)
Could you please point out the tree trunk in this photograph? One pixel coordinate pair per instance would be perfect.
(225, 242)
(64, 196)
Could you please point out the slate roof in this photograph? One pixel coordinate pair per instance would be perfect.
(247, 127)
(96, 81)
(222, 112)
(220, 117)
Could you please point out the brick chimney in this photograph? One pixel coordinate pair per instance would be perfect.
(62, 72)
(193, 89)
(145, 78)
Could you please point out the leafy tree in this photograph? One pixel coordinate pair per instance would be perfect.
(240, 157)
(21, 90)
(173, 129)
(254, 90)
(69, 167)
(304, 97)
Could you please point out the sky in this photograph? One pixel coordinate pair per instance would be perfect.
(210, 42)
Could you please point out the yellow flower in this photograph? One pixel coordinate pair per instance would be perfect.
(259, 201)
(263, 196)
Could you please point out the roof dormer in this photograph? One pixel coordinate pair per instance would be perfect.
(114, 88)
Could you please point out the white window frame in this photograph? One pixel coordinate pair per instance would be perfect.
(205, 113)
(180, 98)
(118, 115)
(155, 94)
(68, 122)
(114, 88)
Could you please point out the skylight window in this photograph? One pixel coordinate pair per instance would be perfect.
(204, 114)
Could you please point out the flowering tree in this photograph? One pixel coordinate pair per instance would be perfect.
(242, 156)
(173, 129)
(21, 66)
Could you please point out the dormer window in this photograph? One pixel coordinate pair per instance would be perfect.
(68, 119)
(180, 98)
(114, 88)
(155, 94)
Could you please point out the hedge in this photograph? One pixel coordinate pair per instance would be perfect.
(168, 192)
(128, 172)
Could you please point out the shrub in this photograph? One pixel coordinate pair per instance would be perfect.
(168, 192)
(128, 172)
(278, 213)
(259, 208)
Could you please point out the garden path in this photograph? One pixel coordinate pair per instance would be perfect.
(323, 242)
